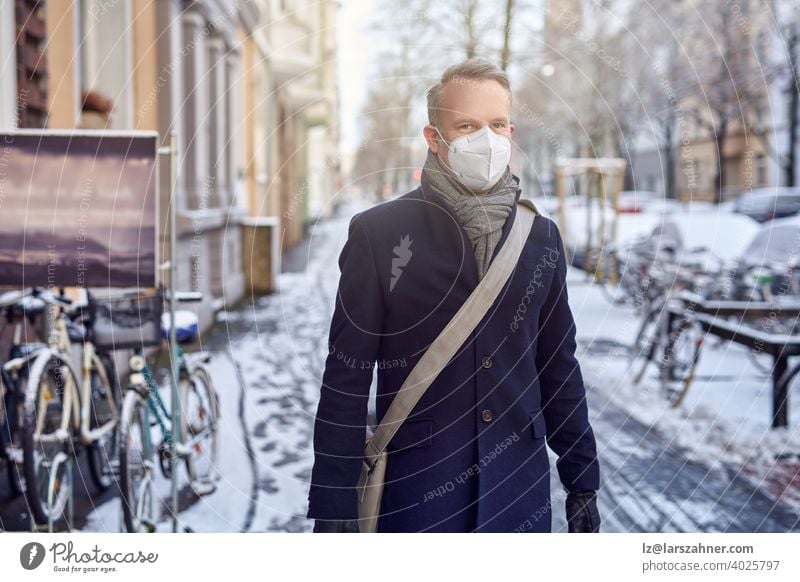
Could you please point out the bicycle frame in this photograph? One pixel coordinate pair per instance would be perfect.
(155, 404)
(76, 401)
(157, 407)
(13, 366)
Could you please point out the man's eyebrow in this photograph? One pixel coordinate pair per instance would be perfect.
(463, 119)
(460, 120)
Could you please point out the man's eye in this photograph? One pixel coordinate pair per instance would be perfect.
(499, 124)
(464, 126)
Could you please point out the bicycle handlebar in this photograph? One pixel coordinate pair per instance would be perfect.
(10, 298)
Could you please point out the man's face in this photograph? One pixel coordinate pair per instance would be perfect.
(468, 105)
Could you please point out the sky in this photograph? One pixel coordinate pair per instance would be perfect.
(355, 50)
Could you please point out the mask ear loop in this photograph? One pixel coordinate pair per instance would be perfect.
(450, 149)
(441, 137)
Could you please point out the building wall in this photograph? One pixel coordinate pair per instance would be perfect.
(8, 56)
(208, 231)
(248, 91)
(145, 63)
(170, 66)
(302, 78)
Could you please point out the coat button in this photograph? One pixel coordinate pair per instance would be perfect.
(487, 415)
(487, 362)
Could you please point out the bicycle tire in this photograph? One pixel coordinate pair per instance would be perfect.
(102, 454)
(646, 343)
(685, 369)
(617, 297)
(46, 366)
(136, 466)
(202, 462)
(14, 475)
(15, 478)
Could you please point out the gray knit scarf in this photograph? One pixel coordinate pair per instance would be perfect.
(481, 215)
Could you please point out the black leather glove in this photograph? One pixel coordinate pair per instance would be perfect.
(582, 514)
(335, 526)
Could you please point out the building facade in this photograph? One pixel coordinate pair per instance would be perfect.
(248, 88)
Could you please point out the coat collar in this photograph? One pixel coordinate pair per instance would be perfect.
(430, 195)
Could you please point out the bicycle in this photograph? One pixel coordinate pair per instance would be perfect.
(196, 436)
(675, 341)
(16, 311)
(627, 279)
(52, 411)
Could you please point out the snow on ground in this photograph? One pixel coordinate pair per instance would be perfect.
(725, 417)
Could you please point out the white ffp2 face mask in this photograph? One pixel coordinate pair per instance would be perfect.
(478, 159)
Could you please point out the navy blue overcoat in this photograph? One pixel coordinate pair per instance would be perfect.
(472, 455)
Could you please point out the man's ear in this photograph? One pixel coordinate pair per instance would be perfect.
(511, 128)
(432, 138)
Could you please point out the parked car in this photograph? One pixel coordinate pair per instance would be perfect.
(765, 204)
(776, 244)
(635, 201)
(722, 235)
(768, 267)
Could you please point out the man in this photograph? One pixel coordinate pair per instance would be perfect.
(471, 456)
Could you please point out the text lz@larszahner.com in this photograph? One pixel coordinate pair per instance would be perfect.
(95, 560)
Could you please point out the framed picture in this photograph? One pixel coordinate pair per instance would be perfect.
(78, 208)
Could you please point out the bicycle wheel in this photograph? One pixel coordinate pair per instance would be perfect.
(615, 294)
(136, 465)
(618, 293)
(680, 360)
(200, 428)
(645, 346)
(47, 435)
(104, 412)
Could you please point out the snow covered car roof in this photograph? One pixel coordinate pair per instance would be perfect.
(778, 241)
(724, 234)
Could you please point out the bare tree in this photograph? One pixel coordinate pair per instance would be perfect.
(505, 52)
(728, 83)
(657, 72)
(418, 39)
(779, 52)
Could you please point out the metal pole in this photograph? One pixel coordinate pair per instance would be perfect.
(173, 353)
(780, 392)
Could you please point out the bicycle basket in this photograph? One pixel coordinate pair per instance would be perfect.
(127, 321)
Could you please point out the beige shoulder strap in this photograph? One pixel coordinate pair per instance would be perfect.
(444, 347)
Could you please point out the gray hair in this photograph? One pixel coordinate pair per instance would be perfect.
(475, 69)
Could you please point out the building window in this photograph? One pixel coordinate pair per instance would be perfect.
(105, 64)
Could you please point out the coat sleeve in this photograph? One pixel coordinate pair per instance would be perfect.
(340, 423)
(569, 433)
